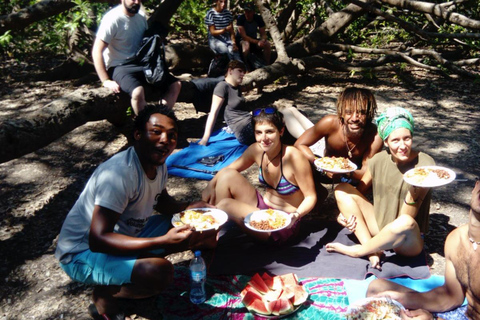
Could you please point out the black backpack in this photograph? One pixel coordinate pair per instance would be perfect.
(152, 56)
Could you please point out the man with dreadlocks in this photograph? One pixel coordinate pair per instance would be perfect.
(350, 134)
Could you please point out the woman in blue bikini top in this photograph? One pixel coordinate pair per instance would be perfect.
(284, 187)
(282, 166)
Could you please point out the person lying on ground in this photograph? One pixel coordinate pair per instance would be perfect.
(350, 134)
(283, 170)
(221, 34)
(461, 276)
(227, 94)
(111, 237)
(117, 41)
(399, 213)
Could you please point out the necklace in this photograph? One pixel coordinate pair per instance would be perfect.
(475, 244)
(346, 143)
(266, 167)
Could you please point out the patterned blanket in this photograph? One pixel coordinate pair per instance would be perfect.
(327, 299)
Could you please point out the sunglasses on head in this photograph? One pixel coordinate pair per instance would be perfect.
(269, 110)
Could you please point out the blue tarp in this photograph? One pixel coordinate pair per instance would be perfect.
(185, 163)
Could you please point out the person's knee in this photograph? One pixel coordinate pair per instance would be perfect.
(225, 204)
(342, 191)
(156, 273)
(175, 86)
(245, 46)
(403, 224)
(227, 175)
(138, 94)
(375, 287)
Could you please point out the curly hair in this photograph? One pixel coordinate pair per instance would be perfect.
(356, 99)
(140, 121)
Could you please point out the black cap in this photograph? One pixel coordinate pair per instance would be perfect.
(248, 6)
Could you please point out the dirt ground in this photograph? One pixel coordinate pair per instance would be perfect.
(37, 190)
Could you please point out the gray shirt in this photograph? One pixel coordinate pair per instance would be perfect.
(121, 185)
(236, 115)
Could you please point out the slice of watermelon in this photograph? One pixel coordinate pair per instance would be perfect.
(277, 283)
(287, 293)
(272, 295)
(281, 306)
(249, 288)
(289, 279)
(254, 302)
(268, 280)
(300, 295)
(257, 282)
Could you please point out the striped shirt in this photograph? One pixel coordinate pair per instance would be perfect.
(220, 20)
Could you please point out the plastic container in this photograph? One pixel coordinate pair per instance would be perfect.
(198, 272)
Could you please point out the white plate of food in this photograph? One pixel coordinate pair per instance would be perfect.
(429, 176)
(267, 220)
(374, 309)
(335, 164)
(201, 219)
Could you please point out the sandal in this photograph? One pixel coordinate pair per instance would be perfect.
(93, 312)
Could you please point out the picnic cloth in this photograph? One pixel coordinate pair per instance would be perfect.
(222, 146)
(238, 253)
(327, 299)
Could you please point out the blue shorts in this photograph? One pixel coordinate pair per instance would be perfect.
(105, 269)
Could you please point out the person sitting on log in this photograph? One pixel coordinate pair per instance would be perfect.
(249, 25)
(117, 41)
(221, 34)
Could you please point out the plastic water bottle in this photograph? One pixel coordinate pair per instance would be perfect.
(198, 272)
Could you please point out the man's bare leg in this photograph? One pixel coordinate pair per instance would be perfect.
(149, 277)
(138, 99)
(171, 95)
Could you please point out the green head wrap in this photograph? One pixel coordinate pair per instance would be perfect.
(392, 119)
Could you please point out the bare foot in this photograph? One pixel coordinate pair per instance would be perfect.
(375, 261)
(351, 251)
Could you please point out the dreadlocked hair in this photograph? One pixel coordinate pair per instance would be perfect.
(356, 99)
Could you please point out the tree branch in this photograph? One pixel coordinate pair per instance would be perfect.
(439, 10)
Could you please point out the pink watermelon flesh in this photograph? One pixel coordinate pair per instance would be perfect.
(258, 283)
(282, 306)
(250, 298)
(249, 288)
(256, 304)
(300, 295)
(268, 280)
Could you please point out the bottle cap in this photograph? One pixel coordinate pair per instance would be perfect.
(198, 253)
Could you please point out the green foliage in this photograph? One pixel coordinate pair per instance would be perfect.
(190, 16)
(52, 34)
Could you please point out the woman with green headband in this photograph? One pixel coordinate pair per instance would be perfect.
(400, 211)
